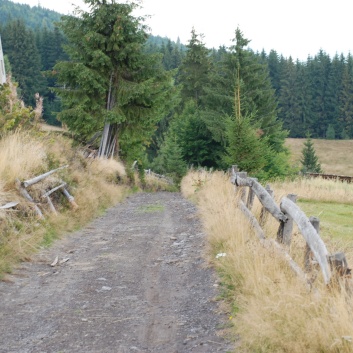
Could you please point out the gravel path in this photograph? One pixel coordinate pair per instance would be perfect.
(135, 282)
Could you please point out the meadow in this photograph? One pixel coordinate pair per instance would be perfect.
(335, 156)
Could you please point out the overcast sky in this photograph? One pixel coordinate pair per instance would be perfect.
(297, 28)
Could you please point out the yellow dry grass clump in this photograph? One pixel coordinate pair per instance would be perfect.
(95, 185)
(270, 308)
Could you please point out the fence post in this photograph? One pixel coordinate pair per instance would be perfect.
(339, 264)
(264, 213)
(284, 234)
(243, 175)
(315, 221)
(251, 196)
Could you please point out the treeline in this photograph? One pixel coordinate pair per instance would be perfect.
(31, 57)
(170, 106)
(315, 96)
(34, 17)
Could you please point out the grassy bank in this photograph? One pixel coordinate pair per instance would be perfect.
(95, 184)
(269, 308)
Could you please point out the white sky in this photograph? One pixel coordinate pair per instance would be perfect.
(297, 28)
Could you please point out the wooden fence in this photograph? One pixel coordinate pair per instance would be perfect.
(159, 176)
(286, 213)
(343, 178)
(45, 198)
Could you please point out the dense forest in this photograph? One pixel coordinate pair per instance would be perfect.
(187, 104)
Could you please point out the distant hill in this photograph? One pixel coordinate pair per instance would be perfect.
(34, 17)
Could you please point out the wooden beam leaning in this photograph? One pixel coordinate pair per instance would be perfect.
(9, 205)
(252, 219)
(48, 193)
(28, 197)
(317, 246)
(51, 206)
(39, 178)
(70, 198)
(263, 196)
(270, 243)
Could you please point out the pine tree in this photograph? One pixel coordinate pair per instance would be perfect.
(194, 70)
(111, 83)
(310, 162)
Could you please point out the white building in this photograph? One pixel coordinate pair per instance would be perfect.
(2, 66)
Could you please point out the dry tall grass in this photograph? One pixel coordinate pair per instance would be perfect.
(94, 184)
(272, 309)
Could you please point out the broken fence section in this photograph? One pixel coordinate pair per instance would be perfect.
(46, 194)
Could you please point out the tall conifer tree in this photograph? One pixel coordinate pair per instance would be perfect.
(111, 83)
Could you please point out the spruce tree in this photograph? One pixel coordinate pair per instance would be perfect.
(111, 83)
(194, 70)
(20, 47)
(310, 162)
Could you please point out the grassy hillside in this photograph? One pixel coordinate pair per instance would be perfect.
(335, 156)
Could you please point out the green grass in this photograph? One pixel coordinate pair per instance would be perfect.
(336, 219)
(151, 208)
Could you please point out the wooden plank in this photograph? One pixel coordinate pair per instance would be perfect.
(263, 196)
(317, 246)
(51, 206)
(9, 205)
(48, 193)
(39, 178)
(28, 197)
(252, 219)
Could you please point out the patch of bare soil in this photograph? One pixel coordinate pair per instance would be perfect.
(135, 282)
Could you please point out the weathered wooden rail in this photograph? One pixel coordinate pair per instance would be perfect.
(25, 193)
(343, 178)
(286, 214)
(159, 176)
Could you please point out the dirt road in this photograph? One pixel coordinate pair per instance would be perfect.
(134, 282)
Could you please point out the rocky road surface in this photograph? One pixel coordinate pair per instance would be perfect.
(133, 281)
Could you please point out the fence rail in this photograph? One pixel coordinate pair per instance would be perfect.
(286, 214)
(343, 178)
(46, 194)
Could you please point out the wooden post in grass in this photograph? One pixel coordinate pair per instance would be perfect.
(251, 197)
(70, 198)
(264, 213)
(315, 221)
(339, 264)
(242, 175)
(284, 234)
